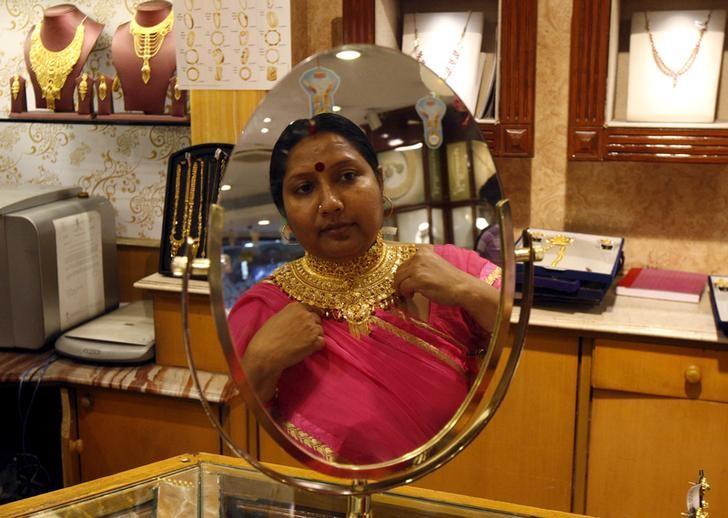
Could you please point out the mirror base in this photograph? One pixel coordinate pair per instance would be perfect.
(359, 506)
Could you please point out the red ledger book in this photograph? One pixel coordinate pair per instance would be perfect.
(653, 283)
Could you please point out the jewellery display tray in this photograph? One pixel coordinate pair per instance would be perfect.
(208, 161)
(596, 135)
(719, 300)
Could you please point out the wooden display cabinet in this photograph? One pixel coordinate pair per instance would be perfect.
(511, 134)
(597, 128)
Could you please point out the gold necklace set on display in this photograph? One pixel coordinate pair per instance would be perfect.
(662, 66)
(148, 41)
(190, 199)
(454, 57)
(349, 291)
(52, 68)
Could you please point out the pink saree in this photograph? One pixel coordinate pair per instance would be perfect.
(370, 399)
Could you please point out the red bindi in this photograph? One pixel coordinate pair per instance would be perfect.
(320, 166)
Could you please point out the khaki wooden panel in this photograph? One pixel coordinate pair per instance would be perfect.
(220, 115)
(206, 348)
(525, 454)
(644, 449)
(135, 262)
(660, 370)
(121, 430)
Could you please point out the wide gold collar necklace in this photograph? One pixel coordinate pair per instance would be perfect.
(349, 291)
(52, 68)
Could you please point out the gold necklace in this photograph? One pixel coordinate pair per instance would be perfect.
(454, 56)
(148, 41)
(662, 66)
(52, 68)
(174, 242)
(349, 291)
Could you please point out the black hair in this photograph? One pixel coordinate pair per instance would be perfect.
(298, 130)
(490, 191)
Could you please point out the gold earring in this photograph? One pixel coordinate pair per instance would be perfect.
(390, 211)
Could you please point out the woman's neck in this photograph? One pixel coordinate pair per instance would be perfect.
(59, 25)
(149, 14)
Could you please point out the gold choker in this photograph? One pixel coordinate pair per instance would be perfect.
(349, 291)
(148, 41)
(52, 68)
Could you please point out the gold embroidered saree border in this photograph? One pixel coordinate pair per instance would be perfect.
(494, 275)
(418, 342)
(309, 442)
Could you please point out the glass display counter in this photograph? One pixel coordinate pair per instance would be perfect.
(212, 485)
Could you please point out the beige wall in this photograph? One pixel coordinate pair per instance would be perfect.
(672, 216)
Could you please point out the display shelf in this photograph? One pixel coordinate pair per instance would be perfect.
(599, 129)
(511, 133)
(72, 118)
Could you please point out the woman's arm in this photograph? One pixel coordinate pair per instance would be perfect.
(286, 338)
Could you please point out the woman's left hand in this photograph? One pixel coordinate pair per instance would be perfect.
(433, 277)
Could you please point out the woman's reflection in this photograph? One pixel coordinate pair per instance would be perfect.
(363, 349)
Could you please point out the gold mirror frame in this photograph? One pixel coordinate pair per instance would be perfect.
(472, 416)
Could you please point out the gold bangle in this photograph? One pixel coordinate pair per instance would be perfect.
(271, 74)
(218, 72)
(217, 38)
(190, 38)
(272, 18)
(216, 19)
(272, 55)
(245, 73)
(218, 55)
(243, 38)
(192, 73)
(189, 21)
(276, 37)
(243, 19)
(244, 55)
(192, 56)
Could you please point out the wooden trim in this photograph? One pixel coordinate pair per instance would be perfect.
(70, 464)
(589, 138)
(581, 432)
(358, 21)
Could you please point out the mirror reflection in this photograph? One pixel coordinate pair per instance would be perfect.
(361, 254)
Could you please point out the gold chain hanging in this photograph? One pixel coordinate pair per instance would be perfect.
(148, 41)
(52, 68)
(349, 291)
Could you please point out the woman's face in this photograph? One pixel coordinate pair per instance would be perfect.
(332, 197)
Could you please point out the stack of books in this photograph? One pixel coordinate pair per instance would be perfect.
(577, 268)
(719, 300)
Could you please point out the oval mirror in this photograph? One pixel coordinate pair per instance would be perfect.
(361, 261)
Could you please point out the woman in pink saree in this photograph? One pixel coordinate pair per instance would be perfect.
(350, 384)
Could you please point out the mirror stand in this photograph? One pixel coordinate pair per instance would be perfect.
(359, 506)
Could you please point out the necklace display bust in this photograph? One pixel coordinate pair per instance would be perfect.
(145, 82)
(57, 39)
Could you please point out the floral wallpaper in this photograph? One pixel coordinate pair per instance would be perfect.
(126, 164)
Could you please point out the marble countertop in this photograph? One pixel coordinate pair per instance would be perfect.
(632, 317)
(149, 378)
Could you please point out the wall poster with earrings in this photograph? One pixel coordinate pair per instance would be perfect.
(674, 65)
(232, 44)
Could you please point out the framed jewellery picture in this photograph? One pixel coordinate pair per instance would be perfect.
(404, 181)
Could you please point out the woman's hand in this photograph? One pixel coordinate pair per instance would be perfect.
(439, 281)
(287, 338)
(433, 277)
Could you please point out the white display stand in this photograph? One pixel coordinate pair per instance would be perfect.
(439, 35)
(652, 95)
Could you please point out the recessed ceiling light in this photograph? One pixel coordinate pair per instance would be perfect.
(267, 120)
(248, 245)
(263, 222)
(225, 187)
(396, 142)
(348, 55)
(264, 130)
(336, 108)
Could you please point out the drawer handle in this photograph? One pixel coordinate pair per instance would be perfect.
(87, 401)
(76, 446)
(693, 374)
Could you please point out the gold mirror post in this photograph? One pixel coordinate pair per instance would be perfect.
(359, 506)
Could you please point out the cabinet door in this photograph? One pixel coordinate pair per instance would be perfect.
(525, 455)
(644, 449)
(123, 430)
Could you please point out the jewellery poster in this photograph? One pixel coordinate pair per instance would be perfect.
(232, 44)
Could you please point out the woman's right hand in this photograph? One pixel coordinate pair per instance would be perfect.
(287, 338)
